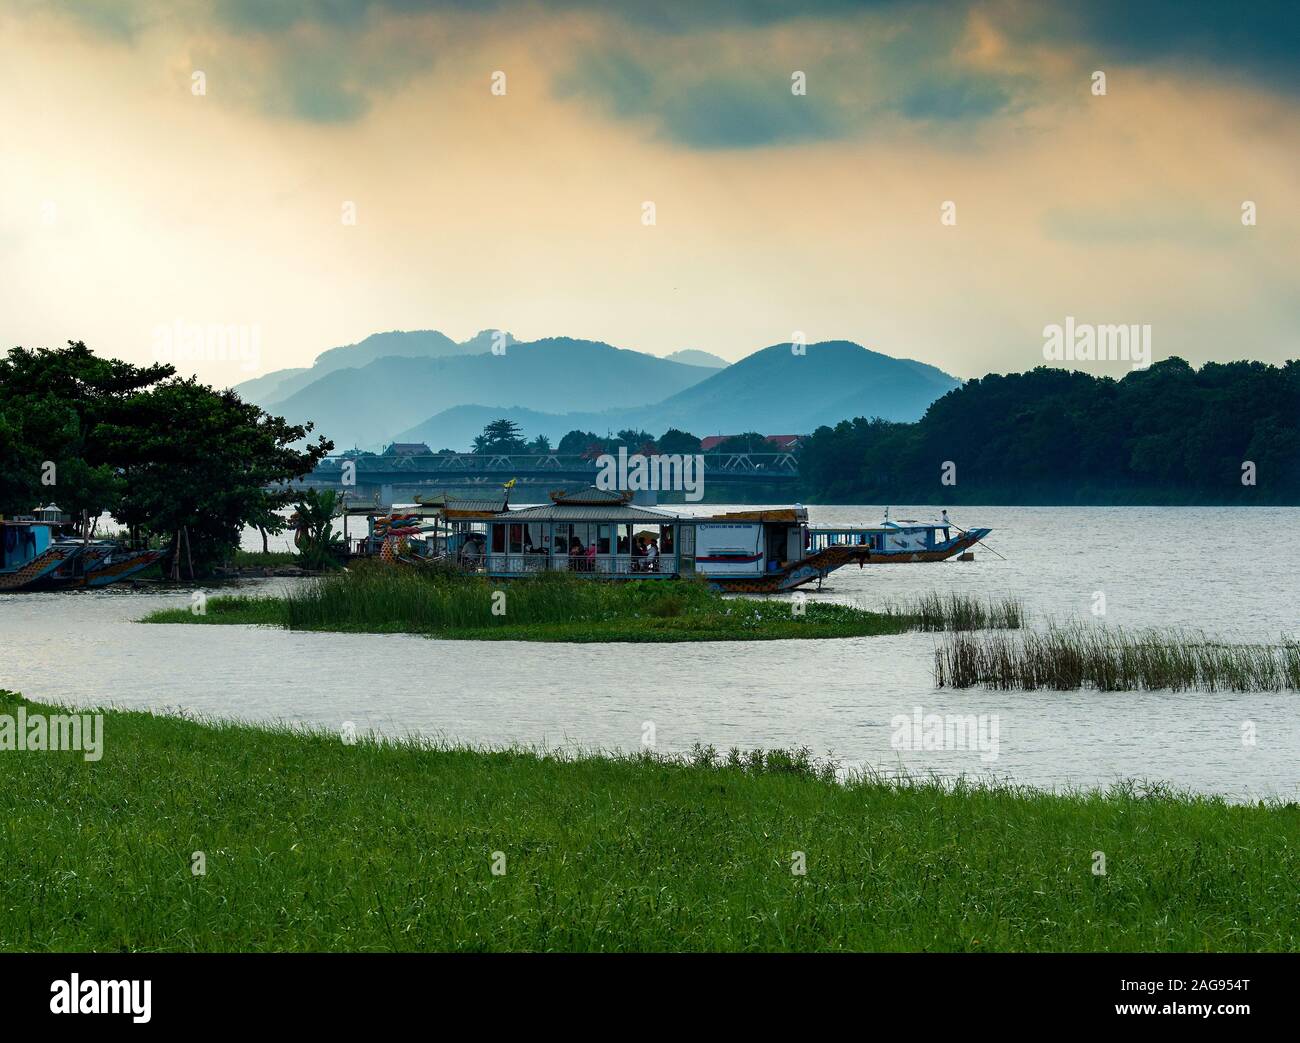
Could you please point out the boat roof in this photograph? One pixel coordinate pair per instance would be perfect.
(465, 508)
(581, 512)
(781, 514)
(890, 527)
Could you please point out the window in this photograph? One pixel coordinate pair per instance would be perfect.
(498, 539)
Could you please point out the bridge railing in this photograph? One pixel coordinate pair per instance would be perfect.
(507, 465)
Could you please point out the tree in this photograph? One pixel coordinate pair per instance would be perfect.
(501, 436)
(750, 442)
(540, 446)
(674, 441)
(53, 404)
(203, 463)
(1167, 434)
(576, 442)
(313, 518)
(163, 455)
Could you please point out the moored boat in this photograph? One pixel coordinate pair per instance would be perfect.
(36, 557)
(604, 535)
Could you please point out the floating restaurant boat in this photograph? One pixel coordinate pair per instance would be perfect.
(604, 535)
(33, 556)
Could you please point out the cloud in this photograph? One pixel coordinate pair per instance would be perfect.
(972, 97)
(1259, 39)
(714, 74)
(705, 110)
(1183, 223)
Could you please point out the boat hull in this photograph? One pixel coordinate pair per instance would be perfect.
(31, 573)
(119, 570)
(818, 566)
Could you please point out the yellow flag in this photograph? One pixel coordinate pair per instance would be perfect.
(511, 484)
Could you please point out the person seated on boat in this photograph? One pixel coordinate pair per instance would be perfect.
(651, 556)
(590, 565)
(575, 553)
(638, 551)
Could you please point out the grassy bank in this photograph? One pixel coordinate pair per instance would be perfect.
(558, 607)
(253, 559)
(1077, 656)
(314, 844)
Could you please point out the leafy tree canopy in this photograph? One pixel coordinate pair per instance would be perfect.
(1167, 434)
(158, 452)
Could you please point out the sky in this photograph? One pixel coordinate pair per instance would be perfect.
(953, 179)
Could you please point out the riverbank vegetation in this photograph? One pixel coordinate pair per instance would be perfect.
(179, 464)
(374, 598)
(1228, 433)
(1079, 656)
(215, 836)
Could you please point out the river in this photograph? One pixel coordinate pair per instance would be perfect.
(1232, 572)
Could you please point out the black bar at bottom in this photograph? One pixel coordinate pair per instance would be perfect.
(336, 992)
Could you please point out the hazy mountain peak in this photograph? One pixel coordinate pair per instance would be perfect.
(484, 340)
(696, 357)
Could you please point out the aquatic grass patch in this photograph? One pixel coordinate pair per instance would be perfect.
(1080, 656)
(249, 559)
(956, 611)
(310, 843)
(556, 607)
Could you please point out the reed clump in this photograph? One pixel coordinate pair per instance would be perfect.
(1109, 660)
(934, 611)
(560, 607)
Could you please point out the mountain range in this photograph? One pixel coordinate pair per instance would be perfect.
(422, 386)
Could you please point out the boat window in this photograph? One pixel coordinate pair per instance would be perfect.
(532, 537)
(625, 538)
(665, 539)
(498, 539)
(516, 538)
(602, 538)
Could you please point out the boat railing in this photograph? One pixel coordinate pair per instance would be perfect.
(580, 564)
(820, 539)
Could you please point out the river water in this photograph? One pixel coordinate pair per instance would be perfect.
(1232, 572)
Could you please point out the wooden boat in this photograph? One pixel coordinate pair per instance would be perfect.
(604, 535)
(30, 550)
(35, 557)
(117, 565)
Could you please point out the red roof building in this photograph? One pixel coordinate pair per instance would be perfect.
(778, 443)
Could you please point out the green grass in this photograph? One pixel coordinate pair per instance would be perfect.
(312, 844)
(933, 611)
(558, 607)
(252, 559)
(1078, 656)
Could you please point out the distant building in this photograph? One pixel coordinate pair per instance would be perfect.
(778, 443)
(408, 449)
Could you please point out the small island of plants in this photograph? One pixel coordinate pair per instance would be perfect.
(556, 607)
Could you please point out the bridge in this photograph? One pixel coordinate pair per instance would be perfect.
(549, 470)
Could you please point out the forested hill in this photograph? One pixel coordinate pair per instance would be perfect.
(1170, 434)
